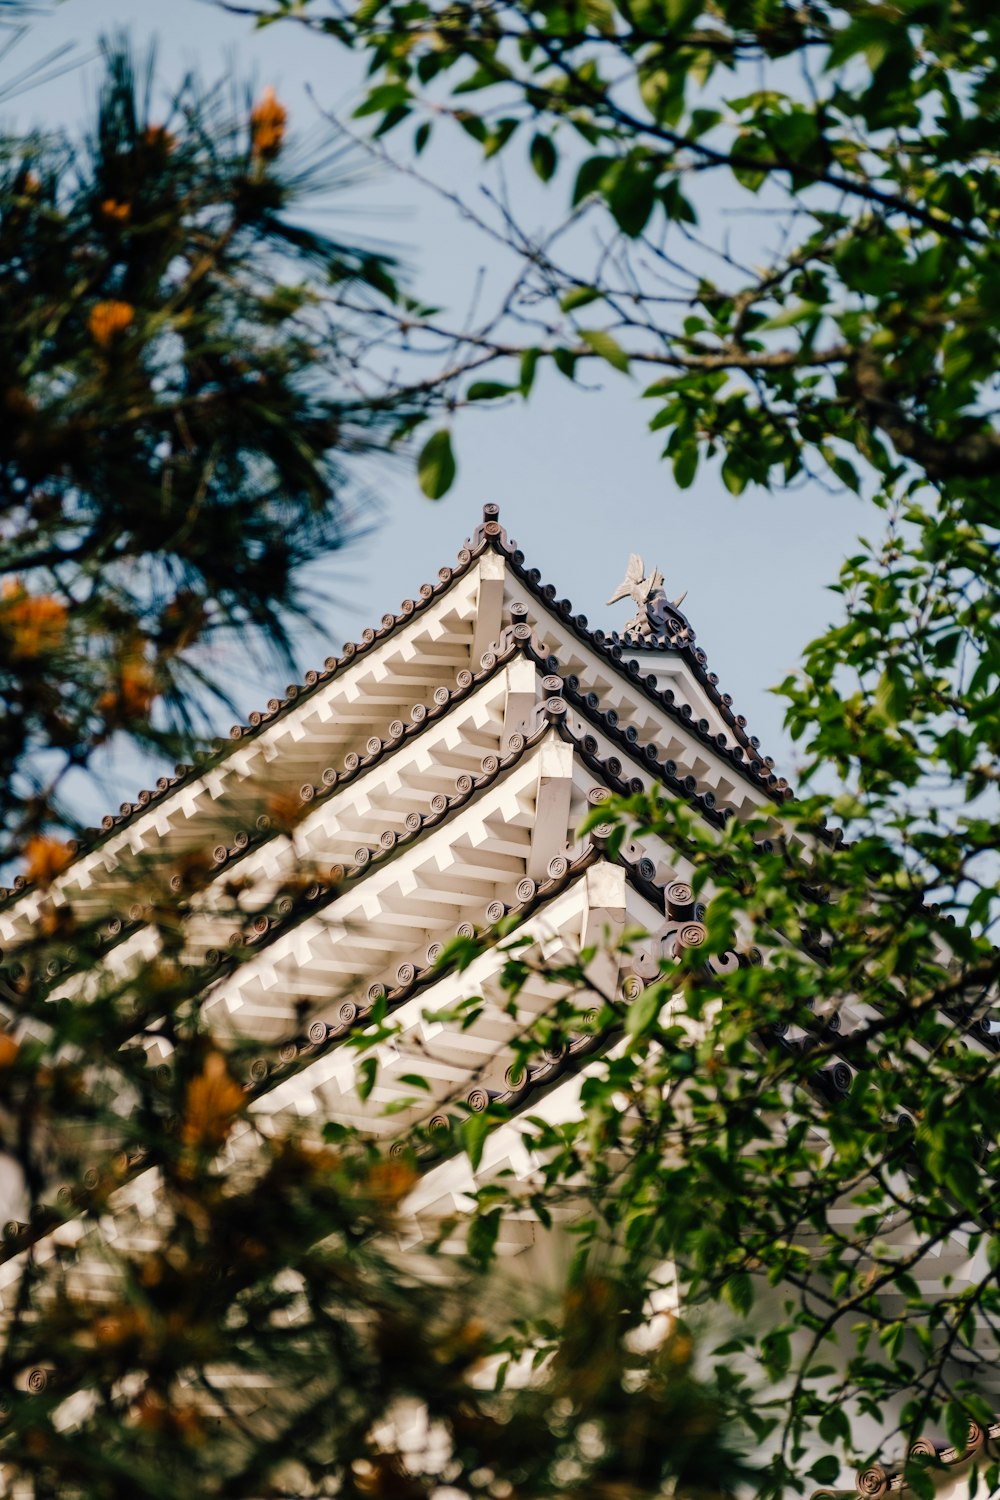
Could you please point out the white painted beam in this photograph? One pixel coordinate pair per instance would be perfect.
(551, 828)
(492, 574)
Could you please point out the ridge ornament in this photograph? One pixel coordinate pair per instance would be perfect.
(654, 620)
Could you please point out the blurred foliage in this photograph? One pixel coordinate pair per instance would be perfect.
(191, 1304)
(180, 409)
(247, 1330)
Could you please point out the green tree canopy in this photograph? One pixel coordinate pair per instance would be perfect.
(857, 321)
(794, 254)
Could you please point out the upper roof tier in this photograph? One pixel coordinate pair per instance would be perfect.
(659, 691)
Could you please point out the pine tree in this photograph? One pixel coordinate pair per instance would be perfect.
(180, 413)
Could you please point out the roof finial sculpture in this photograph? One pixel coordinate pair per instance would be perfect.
(653, 621)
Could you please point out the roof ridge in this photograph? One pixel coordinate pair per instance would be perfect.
(756, 771)
(696, 657)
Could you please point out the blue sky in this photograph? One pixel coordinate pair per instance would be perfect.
(577, 475)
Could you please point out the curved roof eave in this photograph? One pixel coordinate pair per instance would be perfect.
(488, 535)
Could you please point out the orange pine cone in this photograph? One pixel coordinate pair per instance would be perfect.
(158, 137)
(284, 810)
(133, 696)
(45, 858)
(108, 319)
(32, 623)
(268, 120)
(213, 1101)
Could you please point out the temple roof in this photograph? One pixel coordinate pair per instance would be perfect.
(432, 782)
(626, 658)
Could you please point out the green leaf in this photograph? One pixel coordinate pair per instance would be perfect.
(473, 125)
(750, 177)
(391, 119)
(436, 465)
(662, 92)
(384, 97)
(643, 1011)
(590, 177)
(489, 390)
(675, 204)
(482, 1237)
(529, 364)
(956, 1425)
(366, 1074)
(681, 13)
(565, 362)
(474, 1132)
(543, 156)
(685, 465)
(833, 1425)
(605, 345)
(579, 296)
(631, 195)
(733, 477)
(919, 1480)
(892, 694)
(399, 1105)
(777, 1348)
(789, 317)
(739, 1292)
(845, 472)
(498, 137)
(601, 15)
